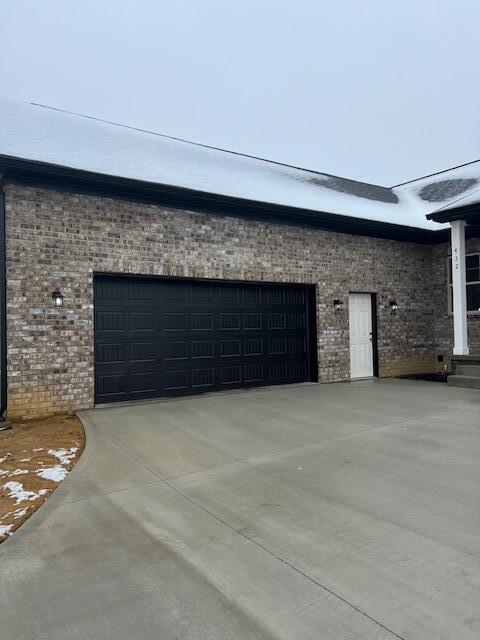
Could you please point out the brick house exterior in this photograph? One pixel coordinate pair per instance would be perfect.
(68, 218)
(60, 239)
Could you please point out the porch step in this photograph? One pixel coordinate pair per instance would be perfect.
(470, 382)
(468, 370)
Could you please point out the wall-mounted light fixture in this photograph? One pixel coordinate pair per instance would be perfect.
(338, 305)
(57, 299)
(393, 306)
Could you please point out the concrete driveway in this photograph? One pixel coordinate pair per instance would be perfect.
(348, 511)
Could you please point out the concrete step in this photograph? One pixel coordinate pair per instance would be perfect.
(468, 370)
(470, 382)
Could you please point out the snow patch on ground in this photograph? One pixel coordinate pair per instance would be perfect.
(5, 529)
(5, 473)
(5, 457)
(56, 473)
(19, 513)
(16, 514)
(41, 449)
(24, 460)
(65, 456)
(19, 494)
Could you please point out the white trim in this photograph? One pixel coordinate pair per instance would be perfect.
(361, 340)
(459, 284)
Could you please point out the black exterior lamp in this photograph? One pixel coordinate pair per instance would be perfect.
(57, 299)
(393, 306)
(338, 305)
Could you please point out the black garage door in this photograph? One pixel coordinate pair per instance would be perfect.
(161, 337)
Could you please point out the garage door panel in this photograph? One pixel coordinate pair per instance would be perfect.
(142, 351)
(110, 353)
(176, 379)
(252, 321)
(202, 321)
(111, 385)
(110, 321)
(174, 291)
(200, 295)
(142, 382)
(229, 322)
(112, 289)
(278, 370)
(141, 321)
(203, 377)
(296, 321)
(230, 348)
(157, 337)
(252, 296)
(277, 321)
(296, 370)
(140, 290)
(229, 294)
(231, 374)
(201, 349)
(253, 373)
(174, 321)
(177, 350)
(253, 347)
(296, 344)
(277, 345)
(273, 295)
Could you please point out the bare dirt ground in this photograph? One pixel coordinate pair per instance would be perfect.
(35, 456)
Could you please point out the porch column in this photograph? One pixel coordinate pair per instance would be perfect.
(460, 347)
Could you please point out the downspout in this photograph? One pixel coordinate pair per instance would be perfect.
(3, 306)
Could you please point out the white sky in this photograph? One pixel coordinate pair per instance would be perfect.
(375, 90)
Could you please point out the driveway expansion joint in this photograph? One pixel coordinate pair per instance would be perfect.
(241, 533)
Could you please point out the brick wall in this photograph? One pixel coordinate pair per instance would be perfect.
(58, 240)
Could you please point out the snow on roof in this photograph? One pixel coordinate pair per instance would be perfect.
(47, 135)
(445, 190)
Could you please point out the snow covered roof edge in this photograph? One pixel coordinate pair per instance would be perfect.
(55, 137)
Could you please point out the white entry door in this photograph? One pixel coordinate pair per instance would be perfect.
(361, 341)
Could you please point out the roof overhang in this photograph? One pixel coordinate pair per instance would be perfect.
(66, 179)
(470, 213)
